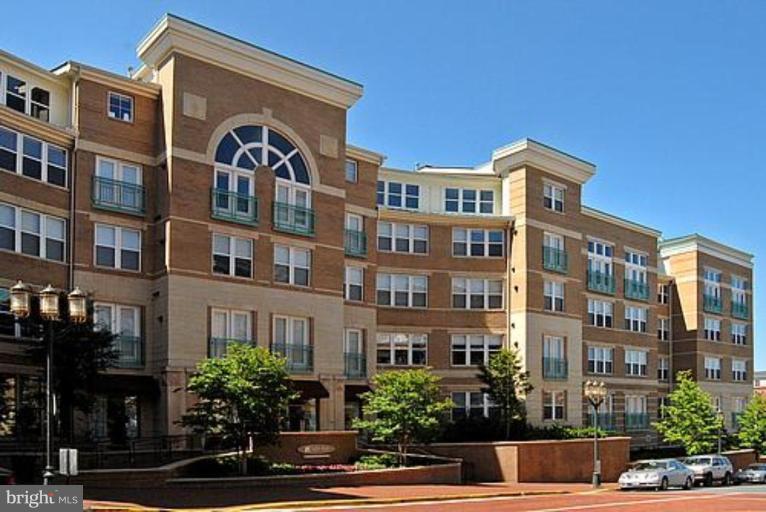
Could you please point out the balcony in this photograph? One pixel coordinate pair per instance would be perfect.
(293, 219)
(118, 196)
(712, 304)
(130, 351)
(600, 282)
(355, 365)
(300, 358)
(234, 207)
(606, 420)
(636, 421)
(555, 259)
(740, 310)
(554, 368)
(637, 290)
(356, 243)
(217, 347)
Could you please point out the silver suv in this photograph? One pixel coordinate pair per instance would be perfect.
(710, 468)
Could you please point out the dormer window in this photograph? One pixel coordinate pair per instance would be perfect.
(16, 94)
(120, 107)
(22, 97)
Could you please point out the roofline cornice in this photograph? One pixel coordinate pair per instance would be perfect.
(366, 155)
(699, 243)
(619, 221)
(529, 152)
(79, 70)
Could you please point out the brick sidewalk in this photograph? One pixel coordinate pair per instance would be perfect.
(123, 499)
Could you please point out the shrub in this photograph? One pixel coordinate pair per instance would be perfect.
(379, 461)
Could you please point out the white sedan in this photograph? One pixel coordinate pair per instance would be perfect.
(657, 474)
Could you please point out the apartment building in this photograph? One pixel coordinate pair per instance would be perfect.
(212, 198)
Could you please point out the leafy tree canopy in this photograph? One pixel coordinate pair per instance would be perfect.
(752, 424)
(507, 385)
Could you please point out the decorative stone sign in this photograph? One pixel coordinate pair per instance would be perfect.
(316, 451)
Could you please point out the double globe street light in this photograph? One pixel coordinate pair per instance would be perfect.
(49, 312)
(595, 392)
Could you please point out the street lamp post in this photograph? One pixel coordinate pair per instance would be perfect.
(595, 392)
(49, 313)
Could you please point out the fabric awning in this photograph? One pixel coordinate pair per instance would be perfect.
(310, 389)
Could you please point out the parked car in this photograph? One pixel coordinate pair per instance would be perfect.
(754, 473)
(710, 468)
(657, 474)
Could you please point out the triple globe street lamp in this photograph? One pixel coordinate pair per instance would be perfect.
(49, 312)
(595, 392)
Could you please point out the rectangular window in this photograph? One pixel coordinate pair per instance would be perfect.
(32, 158)
(292, 265)
(8, 324)
(663, 293)
(403, 291)
(712, 286)
(400, 349)
(713, 368)
(474, 349)
(738, 333)
(663, 368)
(404, 238)
(600, 360)
(232, 256)
(554, 407)
(636, 273)
(553, 295)
(600, 313)
(118, 247)
(125, 322)
(477, 242)
(635, 319)
(738, 290)
(119, 184)
(663, 329)
(600, 258)
(477, 293)
(354, 283)
(352, 172)
(468, 200)
(231, 325)
(712, 329)
(635, 363)
(553, 197)
(739, 370)
(32, 233)
(16, 94)
(120, 107)
(635, 404)
(398, 195)
(39, 104)
(471, 404)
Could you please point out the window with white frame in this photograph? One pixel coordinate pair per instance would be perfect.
(401, 290)
(600, 257)
(553, 296)
(232, 256)
(291, 335)
(292, 265)
(712, 283)
(471, 293)
(395, 194)
(24, 97)
(635, 362)
(354, 283)
(553, 241)
(405, 238)
(33, 158)
(663, 328)
(117, 247)
(738, 290)
(635, 404)
(471, 404)
(352, 171)
(229, 324)
(554, 405)
(553, 197)
(600, 360)
(469, 200)
(353, 343)
(663, 293)
(635, 266)
(121, 320)
(662, 403)
(739, 404)
(716, 403)
(231, 181)
(713, 368)
(739, 370)
(663, 368)
(120, 107)
(477, 242)
(8, 324)
(32, 233)
(474, 349)
(554, 347)
(635, 318)
(402, 349)
(712, 329)
(738, 333)
(600, 313)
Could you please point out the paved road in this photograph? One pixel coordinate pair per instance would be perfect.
(716, 499)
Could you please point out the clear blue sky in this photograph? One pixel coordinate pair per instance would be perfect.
(668, 99)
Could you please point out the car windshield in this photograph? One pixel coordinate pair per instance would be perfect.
(757, 467)
(650, 465)
(698, 461)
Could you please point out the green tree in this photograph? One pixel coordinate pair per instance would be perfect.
(404, 407)
(752, 424)
(690, 418)
(507, 385)
(242, 397)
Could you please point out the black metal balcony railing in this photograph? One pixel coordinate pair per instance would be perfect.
(712, 304)
(289, 218)
(300, 358)
(130, 351)
(234, 207)
(635, 289)
(121, 196)
(740, 310)
(636, 421)
(606, 420)
(355, 365)
(555, 259)
(217, 347)
(356, 243)
(554, 368)
(600, 282)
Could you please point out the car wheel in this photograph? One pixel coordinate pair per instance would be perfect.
(688, 483)
(664, 484)
(708, 480)
(727, 479)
